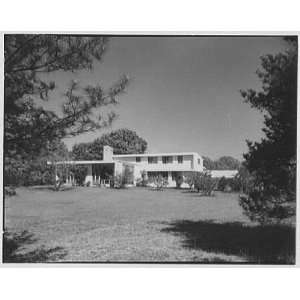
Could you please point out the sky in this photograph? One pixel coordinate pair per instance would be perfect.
(184, 91)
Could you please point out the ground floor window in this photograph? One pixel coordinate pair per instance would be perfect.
(103, 171)
(176, 175)
(128, 173)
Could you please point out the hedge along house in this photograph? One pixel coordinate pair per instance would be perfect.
(168, 165)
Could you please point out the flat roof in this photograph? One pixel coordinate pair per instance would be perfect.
(88, 162)
(82, 162)
(156, 154)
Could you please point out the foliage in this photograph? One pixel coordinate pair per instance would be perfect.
(205, 183)
(190, 179)
(36, 171)
(244, 181)
(223, 163)
(201, 182)
(13, 244)
(144, 178)
(119, 181)
(266, 206)
(272, 161)
(79, 173)
(29, 127)
(223, 182)
(179, 180)
(9, 191)
(123, 141)
(160, 182)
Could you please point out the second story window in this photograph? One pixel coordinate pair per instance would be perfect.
(180, 159)
(167, 159)
(152, 160)
(138, 159)
(199, 161)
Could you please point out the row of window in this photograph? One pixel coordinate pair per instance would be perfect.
(165, 159)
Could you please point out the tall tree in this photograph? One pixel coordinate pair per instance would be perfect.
(273, 160)
(123, 141)
(28, 127)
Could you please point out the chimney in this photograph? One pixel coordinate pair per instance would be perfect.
(107, 153)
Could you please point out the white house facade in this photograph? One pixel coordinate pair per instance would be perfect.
(168, 165)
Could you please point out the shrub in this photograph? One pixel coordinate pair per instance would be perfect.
(190, 179)
(202, 182)
(159, 182)
(228, 184)
(79, 173)
(222, 183)
(10, 191)
(119, 181)
(178, 180)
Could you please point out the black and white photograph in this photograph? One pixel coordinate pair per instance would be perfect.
(150, 149)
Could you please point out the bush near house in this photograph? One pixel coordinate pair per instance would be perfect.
(202, 182)
(190, 179)
(242, 182)
(178, 180)
(205, 183)
(159, 182)
(79, 173)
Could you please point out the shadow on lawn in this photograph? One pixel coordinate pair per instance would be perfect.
(269, 244)
(13, 249)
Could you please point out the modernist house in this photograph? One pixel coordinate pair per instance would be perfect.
(169, 165)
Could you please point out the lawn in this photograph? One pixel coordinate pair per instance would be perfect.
(140, 225)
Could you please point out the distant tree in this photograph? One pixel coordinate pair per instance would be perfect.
(272, 161)
(123, 141)
(223, 163)
(83, 151)
(29, 126)
(208, 163)
(227, 163)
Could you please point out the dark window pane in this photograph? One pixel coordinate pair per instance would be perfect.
(152, 160)
(167, 159)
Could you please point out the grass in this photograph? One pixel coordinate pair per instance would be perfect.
(140, 225)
